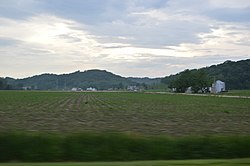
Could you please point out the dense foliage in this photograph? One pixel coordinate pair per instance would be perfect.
(236, 75)
(197, 79)
(98, 79)
(145, 80)
(4, 85)
(31, 147)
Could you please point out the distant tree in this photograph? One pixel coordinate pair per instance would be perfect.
(120, 85)
(182, 82)
(200, 81)
(1, 83)
(4, 85)
(197, 79)
(19, 85)
(145, 86)
(8, 87)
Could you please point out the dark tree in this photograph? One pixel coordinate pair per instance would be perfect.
(236, 75)
(196, 79)
(3, 83)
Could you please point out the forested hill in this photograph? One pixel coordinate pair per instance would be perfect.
(99, 79)
(145, 80)
(236, 75)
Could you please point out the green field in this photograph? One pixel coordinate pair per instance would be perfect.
(121, 126)
(149, 114)
(231, 162)
(238, 93)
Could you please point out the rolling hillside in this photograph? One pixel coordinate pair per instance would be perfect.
(99, 79)
(236, 75)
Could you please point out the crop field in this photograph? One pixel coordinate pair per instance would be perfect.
(123, 112)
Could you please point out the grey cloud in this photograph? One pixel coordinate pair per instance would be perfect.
(154, 36)
(8, 42)
(20, 9)
(112, 21)
(230, 14)
(110, 47)
(92, 12)
(164, 66)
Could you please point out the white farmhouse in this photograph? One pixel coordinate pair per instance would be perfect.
(74, 89)
(91, 89)
(218, 86)
(132, 88)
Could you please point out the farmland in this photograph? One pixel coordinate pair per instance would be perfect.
(121, 126)
(123, 112)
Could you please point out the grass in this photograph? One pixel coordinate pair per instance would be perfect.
(228, 162)
(238, 93)
(56, 126)
(148, 114)
(37, 147)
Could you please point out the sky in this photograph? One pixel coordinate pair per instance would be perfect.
(139, 38)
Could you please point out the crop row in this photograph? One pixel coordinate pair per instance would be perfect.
(150, 114)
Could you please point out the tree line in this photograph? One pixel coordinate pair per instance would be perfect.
(4, 85)
(198, 80)
(236, 75)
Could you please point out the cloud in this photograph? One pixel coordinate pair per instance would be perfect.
(132, 37)
(19, 9)
(230, 3)
(7, 41)
(230, 14)
(46, 41)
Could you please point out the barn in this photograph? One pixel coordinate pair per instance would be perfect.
(218, 86)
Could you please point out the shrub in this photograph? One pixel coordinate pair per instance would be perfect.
(32, 147)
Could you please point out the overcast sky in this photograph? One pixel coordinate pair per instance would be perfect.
(127, 37)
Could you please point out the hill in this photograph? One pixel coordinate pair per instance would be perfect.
(99, 79)
(145, 80)
(236, 75)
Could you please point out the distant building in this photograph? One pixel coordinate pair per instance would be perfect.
(218, 86)
(189, 90)
(132, 88)
(91, 89)
(26, 88)
(76, 89)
